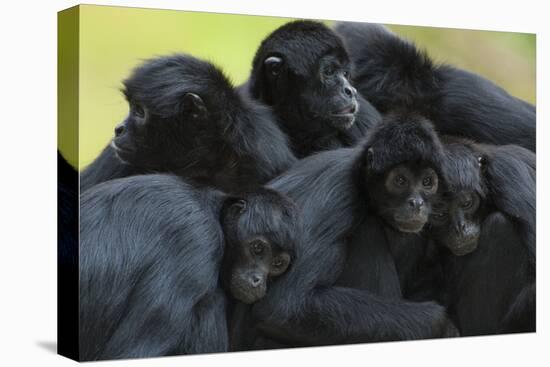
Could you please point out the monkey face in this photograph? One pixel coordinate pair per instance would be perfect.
(329, 96)
(403, 196)
(128, 133)
(256, 260)
(455, 221)
(325, 94)
(258, 230)
(149, 139)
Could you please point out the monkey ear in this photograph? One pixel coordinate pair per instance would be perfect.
(273, 65)
(280, 264)
(370, 157)
(194, 106)
(240, 205)
(482, 161)
(236, 205)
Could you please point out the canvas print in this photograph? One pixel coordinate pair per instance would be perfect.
(235, 183)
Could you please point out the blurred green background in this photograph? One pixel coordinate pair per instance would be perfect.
(113, 40)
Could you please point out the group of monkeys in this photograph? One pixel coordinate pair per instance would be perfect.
(350, 191)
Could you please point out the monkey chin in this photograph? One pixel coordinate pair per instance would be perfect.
(123, 155)
(343, 121)
(463, 246)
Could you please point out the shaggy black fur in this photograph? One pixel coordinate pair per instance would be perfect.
(391, 72)
(314, 303)
(150, 257)
(185, 118)
(302, 71)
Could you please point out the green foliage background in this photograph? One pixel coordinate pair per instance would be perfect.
(113, 40)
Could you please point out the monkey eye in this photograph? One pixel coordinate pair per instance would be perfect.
(438, 212)
(467, 204)
(274, 65)
(278, 262)
(275, 69)
(400, 180)
(427, 181)
(257, 247)
(138, 111)
(328, 72)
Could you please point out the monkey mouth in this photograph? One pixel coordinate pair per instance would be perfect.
(119, 148)
(348, 111)
(409, 226)
(122, 153)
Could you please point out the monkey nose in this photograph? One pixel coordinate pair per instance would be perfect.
(416, 203)
(460, 228)
(349, 91)
(255, 280)
(119, 130)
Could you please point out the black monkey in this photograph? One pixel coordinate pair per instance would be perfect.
(404, 165)
(485, 220)
(311, 304)
(461, 203)
(302, 71)
(391, 72)
(484, 178)
(186, 118)
(152, 247)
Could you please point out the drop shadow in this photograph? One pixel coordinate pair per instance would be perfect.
(50, 346)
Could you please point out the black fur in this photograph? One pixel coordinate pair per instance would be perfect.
(227, 141)
(151, 252)
(314, 303)
(492, 289)
(301, 98)
(463, 165)
(67, 258)
(510, 177)
(403, 137)
(391, 72)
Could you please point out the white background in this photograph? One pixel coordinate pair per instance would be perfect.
(28, 183)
